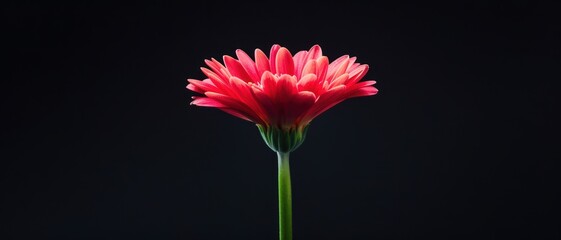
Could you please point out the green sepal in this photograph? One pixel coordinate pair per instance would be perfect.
(280, 140)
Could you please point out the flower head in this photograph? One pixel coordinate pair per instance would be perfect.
(281, 92)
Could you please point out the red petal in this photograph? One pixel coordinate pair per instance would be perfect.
(354, 66)
(194, 88)
(322, 65)
(351, 63)
(261, 62)
(361, 92)
(273, 57)
(284, 63)
(267, 104)
(339, 80)
(240, 88)
(223, 85)
(218, 68)
(309, 68)
(243, 93)
(217, 80)
(207, 102)
(357, 74)
(361, 89)
(299, 62)
(314, 53)
(362, 84)
(338, 61)
(269, 83)
(298, 105)
(232, 103)
(235, 68)
(337, 67)
(286, 87)
(201, 86)
(308, 83)
(324, 102)
(248, 65)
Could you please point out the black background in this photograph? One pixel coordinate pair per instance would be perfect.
(99, 141)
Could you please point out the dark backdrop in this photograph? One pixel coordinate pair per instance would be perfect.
(99, 142)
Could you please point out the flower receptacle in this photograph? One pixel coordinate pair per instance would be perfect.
(283, 140)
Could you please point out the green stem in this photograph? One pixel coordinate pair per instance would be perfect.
(285, 198)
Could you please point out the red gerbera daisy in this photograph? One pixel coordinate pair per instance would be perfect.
(281, 93)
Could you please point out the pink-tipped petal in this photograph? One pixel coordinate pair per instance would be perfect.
(310, 67)
(339, 80)
(213, 65)
(362, 92)
(362, 89)
(334, 66)
(362, 84)
(236, 69)
(261, 62)
(299, 62)
(322, 65)
(314, 53)
(273, 57)
(241, 89)
(194, 88)
(286, 87)
(207, 102)
(201, 86)
(338, 61)
(222, 84)
(244, 94)
(284, 62)
(218, 68)
(357, 74)
(215, 78)
(337, 68)
(248, 65)
(308, 83)
(232, 103)
(350, 64)
(269, 83)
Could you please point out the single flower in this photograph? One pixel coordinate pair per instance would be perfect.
(281, 93)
